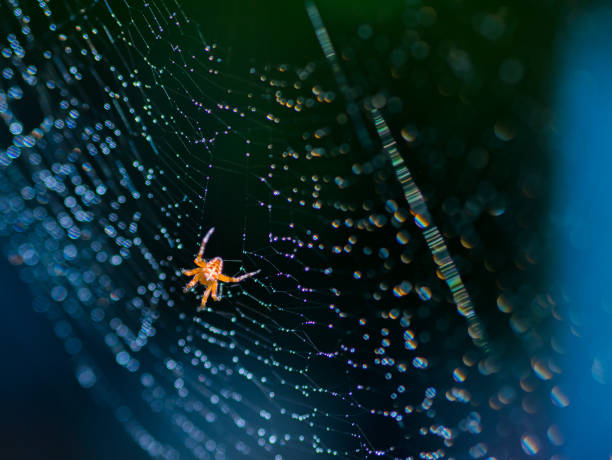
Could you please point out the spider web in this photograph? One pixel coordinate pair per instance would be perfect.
(129, 135)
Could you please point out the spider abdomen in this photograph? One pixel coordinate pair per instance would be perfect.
(212, 270)
(210, 274)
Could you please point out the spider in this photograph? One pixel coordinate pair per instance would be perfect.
(209, 273)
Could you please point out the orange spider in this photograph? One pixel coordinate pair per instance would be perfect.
(209, 273)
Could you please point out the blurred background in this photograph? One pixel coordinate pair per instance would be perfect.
(159, 121)
(47, 414)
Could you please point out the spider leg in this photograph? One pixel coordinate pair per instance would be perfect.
(203, 245)
(213, 293)
(205, 298)
(231, 279)
(191, 272)
(191, 284)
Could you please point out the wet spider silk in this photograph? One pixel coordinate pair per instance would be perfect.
(387, 175)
